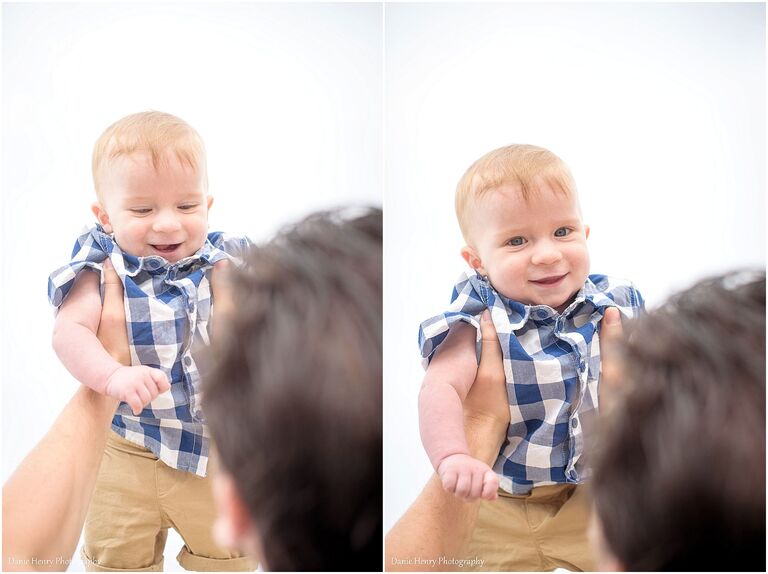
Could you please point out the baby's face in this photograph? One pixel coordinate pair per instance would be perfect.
(534, 251)
(154, 212)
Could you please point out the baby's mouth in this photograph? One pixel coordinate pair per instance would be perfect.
(166, 248)
(548, 281)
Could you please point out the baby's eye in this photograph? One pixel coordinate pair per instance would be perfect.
(187, 206)
(562, 231)
(516, 241)
(140, 210)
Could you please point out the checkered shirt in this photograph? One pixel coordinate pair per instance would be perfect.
(167, 308)
(552, 367)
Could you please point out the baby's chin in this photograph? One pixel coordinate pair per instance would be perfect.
(172, 253)
(557, 302)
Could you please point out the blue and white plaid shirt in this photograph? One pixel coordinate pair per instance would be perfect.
(167, 308)
(552, 367)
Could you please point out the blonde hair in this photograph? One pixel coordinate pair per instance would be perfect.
(153, 132)
(523, 165)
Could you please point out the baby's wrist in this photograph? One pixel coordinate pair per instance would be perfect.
(447, 458)
(107, 381)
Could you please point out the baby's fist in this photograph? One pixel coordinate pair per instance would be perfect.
(468, 477)
(137, 386)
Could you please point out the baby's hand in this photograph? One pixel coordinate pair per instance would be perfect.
(138, 386)
(468, 477)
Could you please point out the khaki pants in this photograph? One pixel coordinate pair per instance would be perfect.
(541, 531)
(137, 498)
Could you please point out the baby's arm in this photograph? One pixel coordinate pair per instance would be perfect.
(75, 342)
(441, 418)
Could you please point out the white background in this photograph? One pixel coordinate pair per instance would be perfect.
(659, 110)
(288, 100)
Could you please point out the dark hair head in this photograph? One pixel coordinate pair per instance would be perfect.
(679, 479)
(294, 400)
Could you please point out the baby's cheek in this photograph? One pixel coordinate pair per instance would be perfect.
(130, 236)
(199, 231)
(579, 260)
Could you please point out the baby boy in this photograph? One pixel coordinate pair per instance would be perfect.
(525, 240)
(150, 176)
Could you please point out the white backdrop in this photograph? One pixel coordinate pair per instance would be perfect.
(288, 100)
(659, 110)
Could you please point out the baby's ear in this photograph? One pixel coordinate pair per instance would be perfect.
(473, 259)
(101, 216)
(586, 231)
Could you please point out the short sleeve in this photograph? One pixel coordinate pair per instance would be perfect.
(619, 293)
(467, 303)
(88, 253)
(629, 300)
(230, 246)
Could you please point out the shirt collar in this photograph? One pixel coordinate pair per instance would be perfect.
(207, 255)
(519, 313)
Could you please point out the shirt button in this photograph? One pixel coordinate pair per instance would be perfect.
(574, 423)
(541, 313)
(582, 365)
(572, 474)
(188, 361)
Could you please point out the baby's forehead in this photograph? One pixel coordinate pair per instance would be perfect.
(530, 196)
(509, 207)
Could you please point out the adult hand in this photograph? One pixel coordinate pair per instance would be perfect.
(486, 407)
(221, 289)
(439, 524)
(611, 334)
(112, 332)
(45, 501)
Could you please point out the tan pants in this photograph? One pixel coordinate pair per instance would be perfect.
(541, 531)
(137, 498)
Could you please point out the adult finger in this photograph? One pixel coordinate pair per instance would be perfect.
(611, 330)
(112, 331)
(110, 275)
(488, 395)
(611, 334)
(491, 366)
(222, 292)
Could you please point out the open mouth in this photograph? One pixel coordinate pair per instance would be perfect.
(549, 281)
(167, 248)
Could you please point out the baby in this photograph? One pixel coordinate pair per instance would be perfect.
(525, 240)
(152, 208)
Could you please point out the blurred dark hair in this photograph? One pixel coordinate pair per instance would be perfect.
(679, 479)
(294, 400)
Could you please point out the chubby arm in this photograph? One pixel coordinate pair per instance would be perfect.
(76, 344)
(446, 384)
(46, 499)
(74, 335)
(438, 523)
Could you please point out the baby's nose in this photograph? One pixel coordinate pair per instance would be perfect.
(546, 256)
(166, 222)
